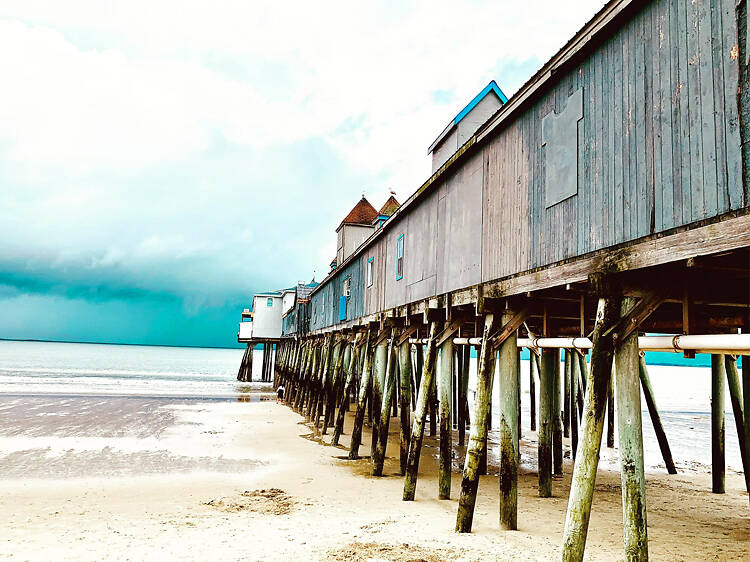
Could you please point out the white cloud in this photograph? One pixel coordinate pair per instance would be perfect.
(183, 137)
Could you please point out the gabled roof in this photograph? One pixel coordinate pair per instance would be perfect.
(362, 213)
(390, 207)
(491, 87)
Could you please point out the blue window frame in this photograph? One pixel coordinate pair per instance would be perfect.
(400, 257)
(269, 302)
(369, 271)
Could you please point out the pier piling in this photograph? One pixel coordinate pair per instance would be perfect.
(478, 433)
(420, 414)
(718, 463)
(630, 431)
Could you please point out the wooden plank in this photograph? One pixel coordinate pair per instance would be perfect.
(684, 103)
(719, 113)
(619, 179)
(695, 114)
(724, 235)
(638, 107)
(657, 109)
(674, 102)
(707, 123)
(731, 59)
(627, 133)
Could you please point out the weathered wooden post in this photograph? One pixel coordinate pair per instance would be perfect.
(573, 404)
(547, 373)
(595, 406)
(379, 366)
(630, 431)
(718, 375)
(463, 377)
(446, 426)
(338, 362)
(566, 393)
(478, 433)
(353, 355)
(508, 382)
(405, 374)
(241, 371)
(433, 404)
(533, 373)
(661, 437)
(735, 395)
(324, 381)
(611, 413)
(465, 366)
(420, 414)
(746, 404)
(378, 456)
(364, 385)
(557, 452)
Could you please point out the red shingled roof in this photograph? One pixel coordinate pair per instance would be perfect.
(390, 207)
(362, 213)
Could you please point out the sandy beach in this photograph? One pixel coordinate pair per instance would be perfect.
(227, 480)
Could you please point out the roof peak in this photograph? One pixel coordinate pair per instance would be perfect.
(491, 87)
(362, 213)
(389, 207)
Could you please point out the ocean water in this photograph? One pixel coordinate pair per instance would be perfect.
(89, 410)
(47, 368)
(43, 382)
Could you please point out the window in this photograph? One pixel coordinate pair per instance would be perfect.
(400, 257)
(346, 287)
(269, 302)
(369, 271)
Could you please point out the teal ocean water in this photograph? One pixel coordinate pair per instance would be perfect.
(55, 372)
(32, 368)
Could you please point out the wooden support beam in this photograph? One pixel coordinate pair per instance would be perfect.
(630, 430)
(433, 405)
(557, 448)
(364, 386)
(509, 453)
(718, 375)
(653, 412)
(510, 327)
(587, 459)
(566, 393)
(547, 373)
(446, 425)
(379, 369)
(573, 403)
(448, 332)
(629, 324)
(405, 378)
(391, 369)
(746, 402)
(464, 353)
(406, 334)
(353, 356)
(417, 433)
(533, 367)
(334, 383)
(611, 414)
(478, 435)
(735, 395)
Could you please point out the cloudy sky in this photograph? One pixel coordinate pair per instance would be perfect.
(161, 161)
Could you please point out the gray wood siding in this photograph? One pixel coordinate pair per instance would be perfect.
(658, 147)
(459, 227)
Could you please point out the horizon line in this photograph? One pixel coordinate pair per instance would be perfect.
(116, 343)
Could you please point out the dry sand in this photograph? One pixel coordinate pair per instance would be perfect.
(273, 490)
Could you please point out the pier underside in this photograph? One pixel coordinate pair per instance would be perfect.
(586, 323)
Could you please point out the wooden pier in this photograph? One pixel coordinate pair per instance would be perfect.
(605, 201)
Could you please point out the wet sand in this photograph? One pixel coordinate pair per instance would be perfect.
(229, 480)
